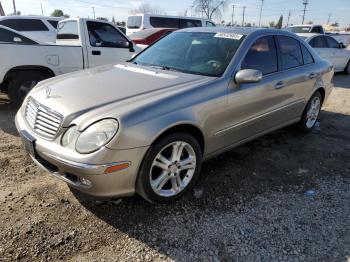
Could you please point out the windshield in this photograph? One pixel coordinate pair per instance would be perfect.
(299, 29)
(192, 52)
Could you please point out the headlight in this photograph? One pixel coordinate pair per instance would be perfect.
(96, 136)
(69, 136)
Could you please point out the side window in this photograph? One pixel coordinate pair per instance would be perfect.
(25, 24)
(262, 56)
(308, 59)
(68, 30)
(54, 23)
(332, 43)
(316, 29)
(11, 37)
(185, 23)
(290, 52)
(209, 24)
(318, 42)
(159, 22)
(105, 35)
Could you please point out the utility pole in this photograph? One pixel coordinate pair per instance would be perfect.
(42, 10)
(289, 15)
(305, 3)
(14, 7)
(261, 7)
(329, 19)
(93, 11)
(233, 14)
(244, 7)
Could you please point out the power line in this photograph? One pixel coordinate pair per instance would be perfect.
(305, 3)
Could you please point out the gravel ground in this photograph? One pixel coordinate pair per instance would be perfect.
(283, 197)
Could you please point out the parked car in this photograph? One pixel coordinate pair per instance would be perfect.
(40, 28)
(328, 48)
(147, 37)
(140, 22)
(145, 126)
(305, 29)
(81, 44)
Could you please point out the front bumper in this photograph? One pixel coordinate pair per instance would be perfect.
(85, 172)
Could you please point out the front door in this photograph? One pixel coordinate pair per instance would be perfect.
(107, 45)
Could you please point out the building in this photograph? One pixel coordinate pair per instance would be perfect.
(2, 13)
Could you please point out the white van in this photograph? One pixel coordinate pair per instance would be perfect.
(140, 22)
(40, 28)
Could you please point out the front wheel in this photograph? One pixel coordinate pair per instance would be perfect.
(311, 112)
(170, 168)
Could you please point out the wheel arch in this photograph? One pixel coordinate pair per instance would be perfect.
(188, 128)
(11, 73)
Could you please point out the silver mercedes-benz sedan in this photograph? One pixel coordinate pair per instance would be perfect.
(145, 126)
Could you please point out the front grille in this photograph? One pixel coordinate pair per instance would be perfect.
(42, 120)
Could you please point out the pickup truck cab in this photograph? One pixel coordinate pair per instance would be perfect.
(80, 44)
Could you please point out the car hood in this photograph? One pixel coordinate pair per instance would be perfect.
(80, 92)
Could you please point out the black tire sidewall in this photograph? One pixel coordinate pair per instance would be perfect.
(143, 186)
(347, 68)
(15, 84)
(302, 123)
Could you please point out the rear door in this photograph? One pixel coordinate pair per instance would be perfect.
(339, 57)
(106, 44)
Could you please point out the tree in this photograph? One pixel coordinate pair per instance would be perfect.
(335, 24)
(272, 24)
(280, 22)
(310, 23)
(146, 8)
(210, 8)
(248, 25)
(102, 18)
(59, 13)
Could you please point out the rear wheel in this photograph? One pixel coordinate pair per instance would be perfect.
(20, 86)
(311, 112)
(170, 168)
(347, 69)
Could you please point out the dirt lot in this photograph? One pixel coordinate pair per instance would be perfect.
(282, 197)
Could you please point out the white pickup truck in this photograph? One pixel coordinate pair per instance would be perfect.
(81, 43)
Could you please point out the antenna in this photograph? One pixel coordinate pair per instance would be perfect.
(305, 3)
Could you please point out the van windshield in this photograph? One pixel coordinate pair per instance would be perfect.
(134, 22)
(200, 53)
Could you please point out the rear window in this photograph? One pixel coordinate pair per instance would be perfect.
(185, 23)
(25, 24)
(53, 23)
(7, 36)
(134, 22)
(68, 30)
(159, 22)
(291, 55)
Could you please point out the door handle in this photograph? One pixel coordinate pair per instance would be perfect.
(94, 52)
(312, 75)
(279, 85)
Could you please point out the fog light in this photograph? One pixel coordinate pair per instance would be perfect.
(117, 167)
(85, 182)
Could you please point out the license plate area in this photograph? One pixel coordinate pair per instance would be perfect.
(28, 143)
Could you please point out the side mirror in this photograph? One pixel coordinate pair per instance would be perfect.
(248, 76)
(341, 45)
(17, 39)
(131, 47)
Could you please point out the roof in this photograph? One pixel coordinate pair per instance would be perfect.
(31, 17)
(234, 30)
(306, 25)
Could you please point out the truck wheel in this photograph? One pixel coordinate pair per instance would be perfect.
(20, 86)
(347, 69)
(170, 168)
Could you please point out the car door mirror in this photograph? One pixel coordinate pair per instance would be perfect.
(17, 39)
(248, 76)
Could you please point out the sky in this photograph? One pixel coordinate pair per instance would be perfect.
(318, 11)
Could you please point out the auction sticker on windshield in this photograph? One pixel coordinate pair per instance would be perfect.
(229, 36)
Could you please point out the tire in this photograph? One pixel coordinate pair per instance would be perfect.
(347, 68)
(160, 185)
(20, 86)
(311, 113)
